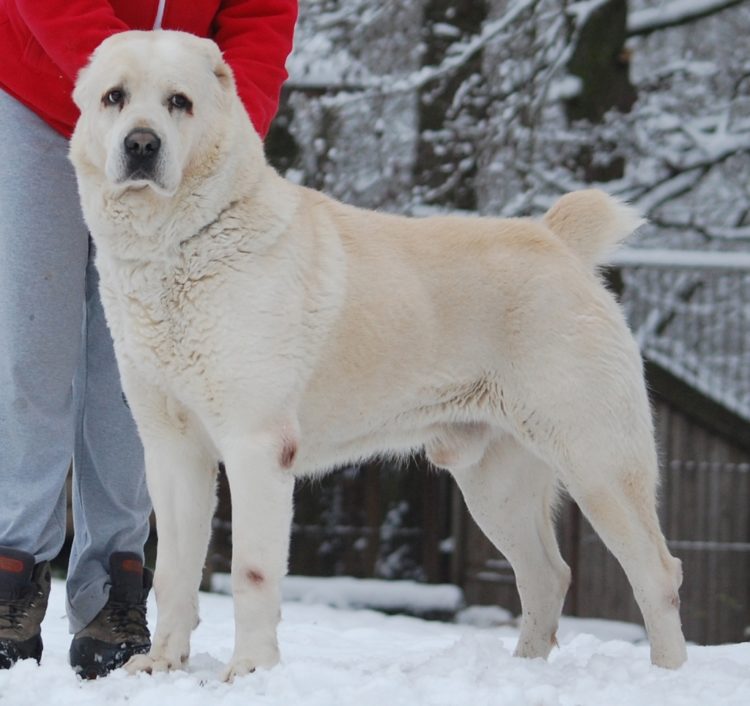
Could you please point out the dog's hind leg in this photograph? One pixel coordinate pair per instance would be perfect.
(618, 496)
(617, 493)
(261, 487)
(511, 495)
(582, 406)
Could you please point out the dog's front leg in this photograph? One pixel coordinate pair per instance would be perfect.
(181, 480)
(181, 477)
(261, 488)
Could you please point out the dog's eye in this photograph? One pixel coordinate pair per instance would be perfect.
(114, 97)
(180, 102)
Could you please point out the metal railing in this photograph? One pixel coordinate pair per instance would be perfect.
(690, 313)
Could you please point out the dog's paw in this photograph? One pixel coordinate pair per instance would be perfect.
(151, 665)
(237, 668)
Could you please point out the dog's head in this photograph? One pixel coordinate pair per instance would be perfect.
(151, 103)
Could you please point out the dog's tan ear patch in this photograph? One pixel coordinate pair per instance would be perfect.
(224, 74)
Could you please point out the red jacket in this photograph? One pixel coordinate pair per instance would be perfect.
(44, 43)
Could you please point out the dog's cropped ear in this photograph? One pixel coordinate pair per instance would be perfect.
(224, 74)
(85, 80)
(81, 89)
(219, 67)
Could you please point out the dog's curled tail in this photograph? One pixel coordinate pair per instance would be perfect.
(592, 223)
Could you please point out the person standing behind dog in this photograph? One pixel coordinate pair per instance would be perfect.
(60, 393)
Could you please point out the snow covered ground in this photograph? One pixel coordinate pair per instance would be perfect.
(334, 656)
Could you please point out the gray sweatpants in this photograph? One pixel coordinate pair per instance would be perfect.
(60, 393)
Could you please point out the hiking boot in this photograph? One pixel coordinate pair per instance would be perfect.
(119, 631)
(24, 590)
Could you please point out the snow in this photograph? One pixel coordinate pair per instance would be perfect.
(347, 592)
(693, 259)
(583, 10)
(673, 13)
(565, 88)
(333, 656)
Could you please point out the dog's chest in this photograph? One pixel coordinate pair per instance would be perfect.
(163, 324)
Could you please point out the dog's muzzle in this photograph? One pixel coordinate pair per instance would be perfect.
(141, 147)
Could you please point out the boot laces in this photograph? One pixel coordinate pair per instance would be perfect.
(128, 618)
(13, 611)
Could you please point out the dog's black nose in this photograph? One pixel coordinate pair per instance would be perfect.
(142, 144)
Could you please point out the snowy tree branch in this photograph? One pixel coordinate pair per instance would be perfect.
(674, 14)
(465, 51)
(461, 53)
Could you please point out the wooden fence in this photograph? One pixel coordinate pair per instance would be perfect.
(705, 513)
(693, 306)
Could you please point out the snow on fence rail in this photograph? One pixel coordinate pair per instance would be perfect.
(690, 313)
(693, 259)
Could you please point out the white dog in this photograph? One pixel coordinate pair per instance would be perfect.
(279, 331)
